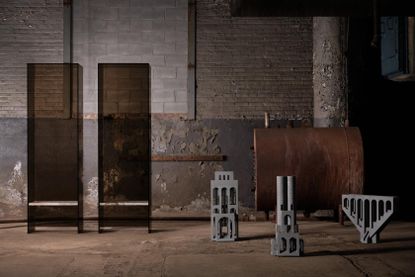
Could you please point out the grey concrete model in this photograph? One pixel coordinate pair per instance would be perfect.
(287, 240)
(369, 213)
(224, 206)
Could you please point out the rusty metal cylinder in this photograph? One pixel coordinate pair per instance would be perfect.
(326, 163)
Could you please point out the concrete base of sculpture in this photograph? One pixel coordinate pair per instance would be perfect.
(224, 227)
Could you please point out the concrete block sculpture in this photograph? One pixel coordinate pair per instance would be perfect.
(369, 213)
(224, 206)
(287, 241)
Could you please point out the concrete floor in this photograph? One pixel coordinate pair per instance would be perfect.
(183, 248)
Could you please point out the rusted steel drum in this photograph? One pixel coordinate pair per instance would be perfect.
(327, 163)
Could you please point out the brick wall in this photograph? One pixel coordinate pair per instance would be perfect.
(247, 66)
(30, 32)
(134, 31)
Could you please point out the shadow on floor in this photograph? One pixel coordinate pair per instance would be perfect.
(266, 236)
(397, 239)
(360, 251)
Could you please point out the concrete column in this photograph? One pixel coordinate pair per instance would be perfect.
(329, 72)
(411, 44)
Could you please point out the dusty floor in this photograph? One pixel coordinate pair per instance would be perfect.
(183, 248)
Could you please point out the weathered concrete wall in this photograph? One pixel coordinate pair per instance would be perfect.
(13, 168)
(329, 72)
(186, 185)
(246, 66)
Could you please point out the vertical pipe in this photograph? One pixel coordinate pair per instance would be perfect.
(266, 116)
(280, 198)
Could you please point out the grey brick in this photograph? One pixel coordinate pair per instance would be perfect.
(99, 3)
(106, 38)
(98, 25)
(128, 37)
(176, 14)
(141, 3)
(164, 48)
(118, 3)
(164, 25)
(182, 3)
(181, 72)
(142, 49)
(103, 13)
(162, 95)
(98, 48)
(152, 13)
(180, 95)
(141, 24)
(152, 3)
(174, 83)
(181, 47)
(163, 72)
(178, 60)
(156, 107)
(175, 36)
(153, 36)
(177, 107)
(130, 12)
(154, 60)
(166, 3)
(121, 25)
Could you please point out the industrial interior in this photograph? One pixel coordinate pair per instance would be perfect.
(206, 138)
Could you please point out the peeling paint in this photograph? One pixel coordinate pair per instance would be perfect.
(163, 187)
(183, 137)
(199, 204)
(13, 196)
(91, 198)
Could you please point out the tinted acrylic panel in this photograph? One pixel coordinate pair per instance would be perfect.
(54, 144)
(124, 144)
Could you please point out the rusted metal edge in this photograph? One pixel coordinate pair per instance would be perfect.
(188, 157)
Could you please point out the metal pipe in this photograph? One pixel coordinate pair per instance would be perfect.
(266, 120)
